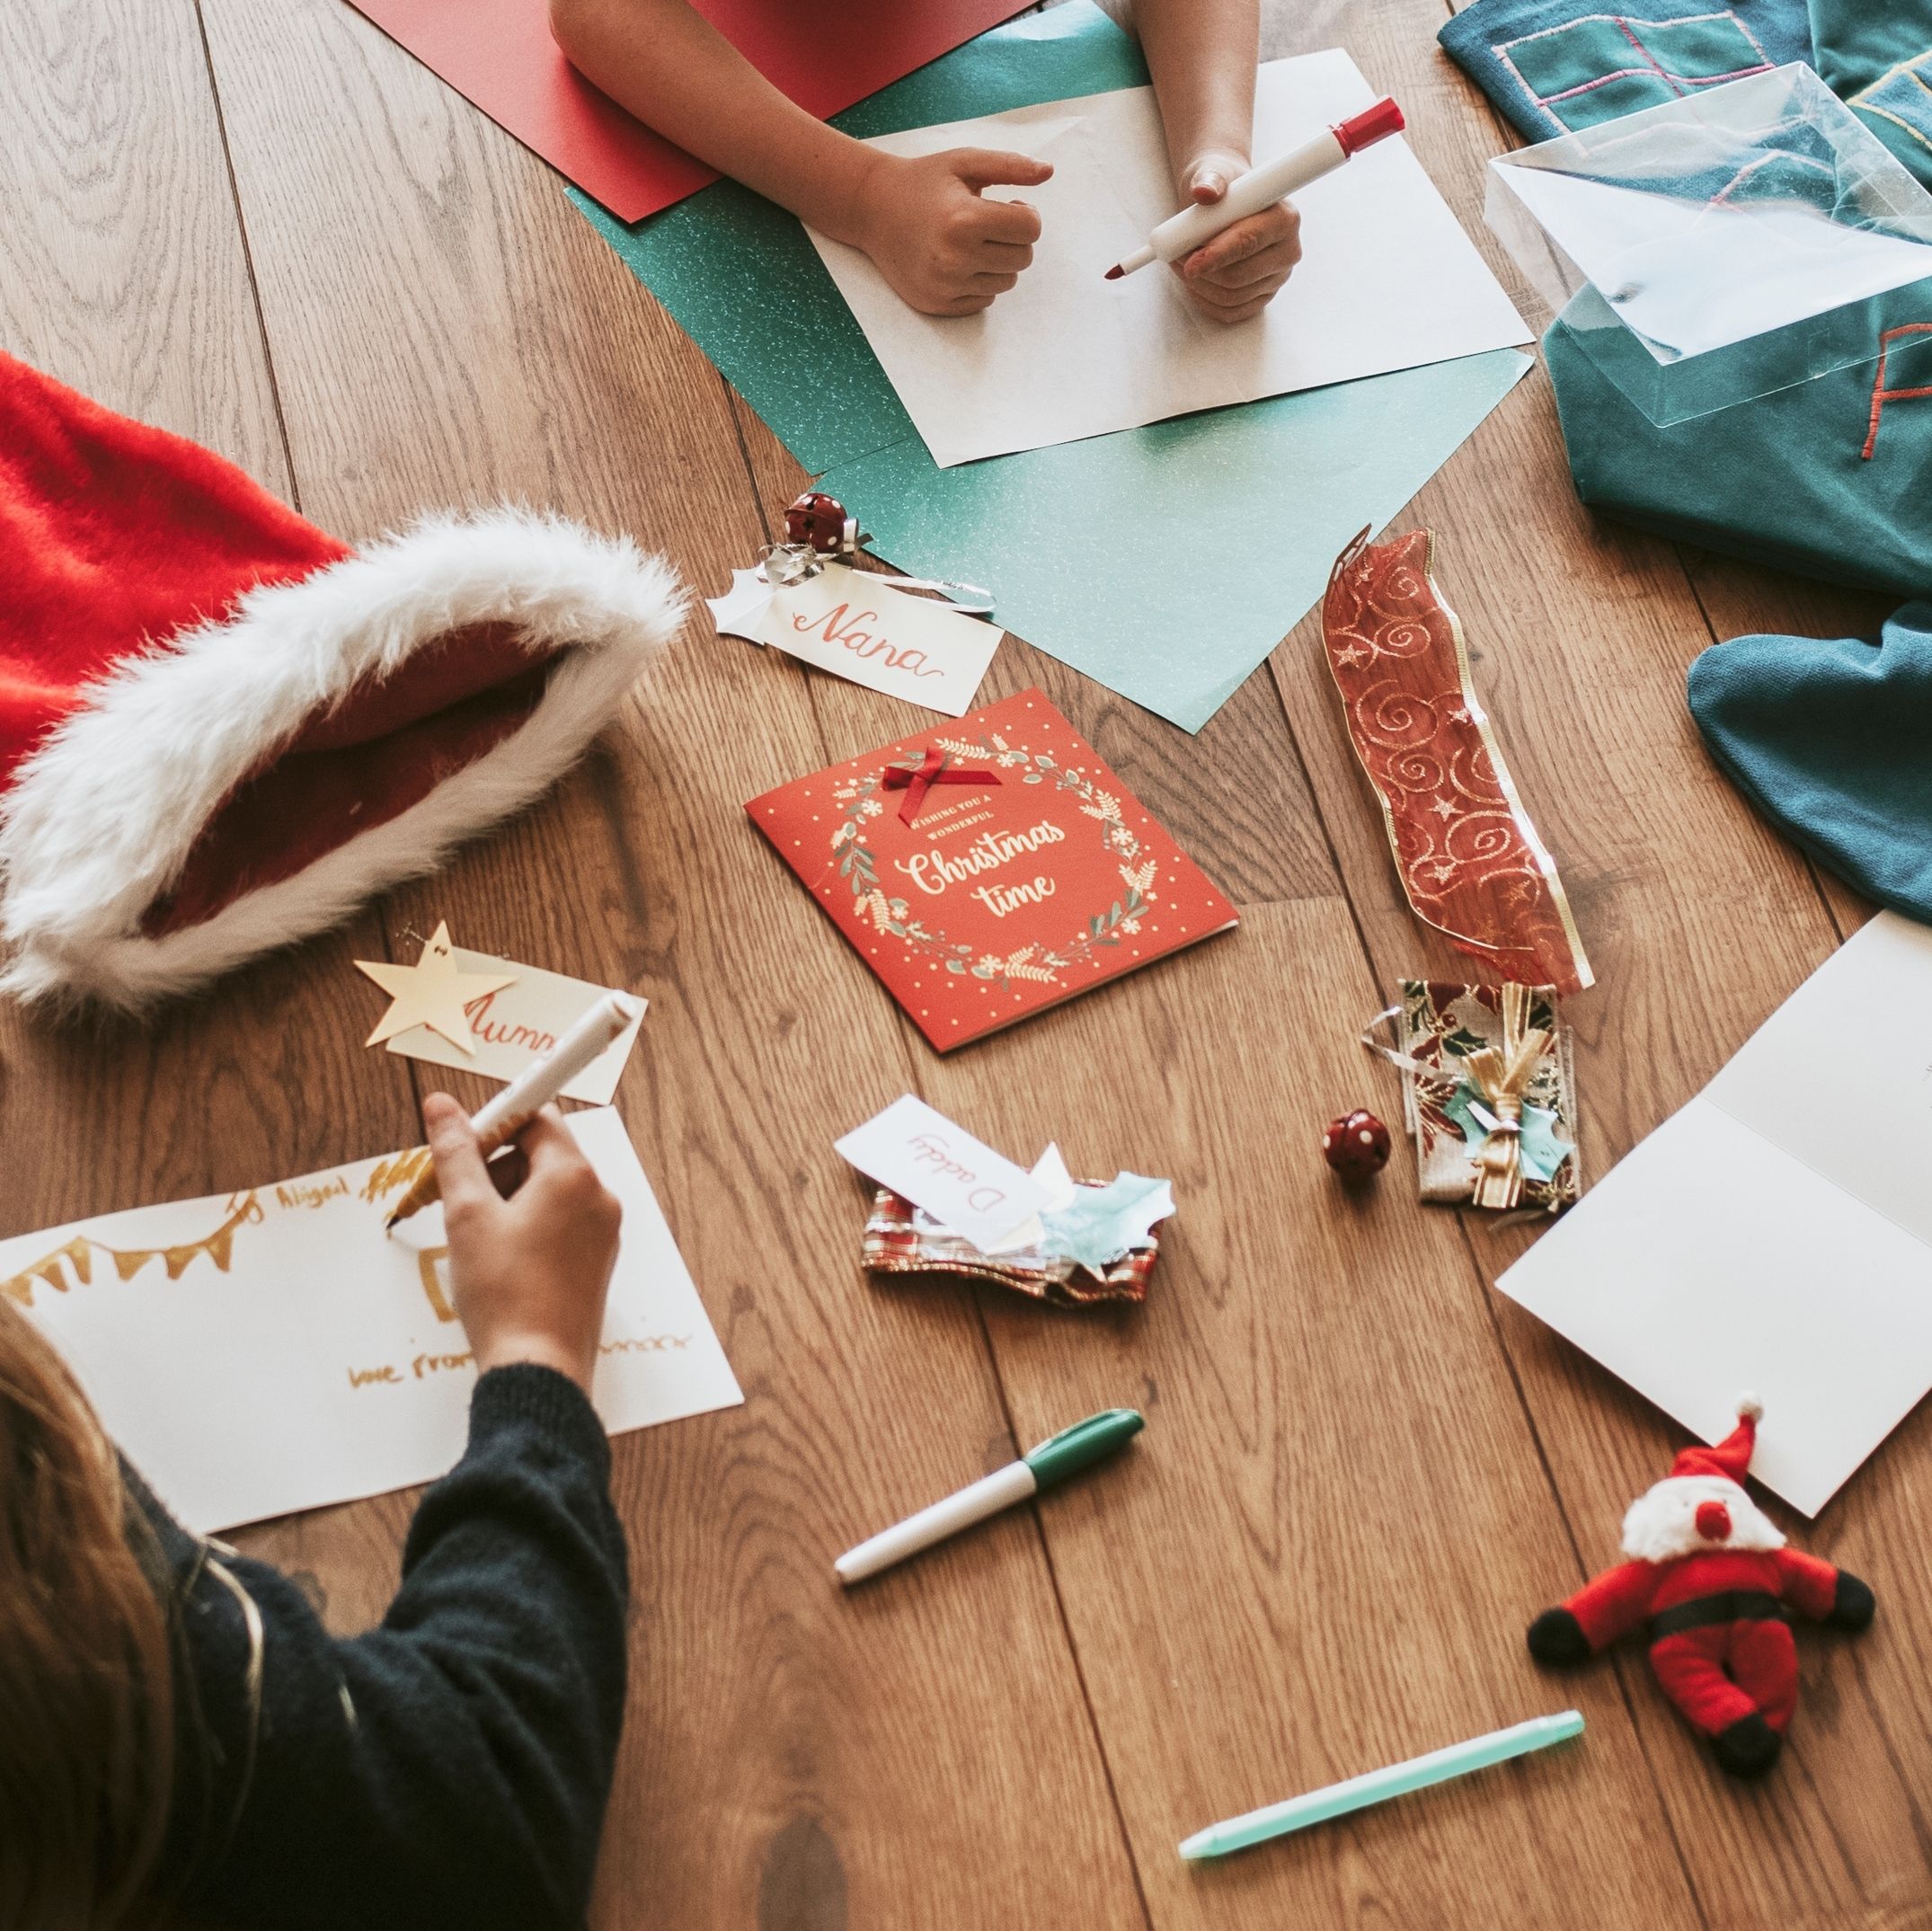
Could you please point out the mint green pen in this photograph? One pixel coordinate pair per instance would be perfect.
(1057, 1458)
(1336, 1800)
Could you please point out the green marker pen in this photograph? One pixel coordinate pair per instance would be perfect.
(1057, 1458)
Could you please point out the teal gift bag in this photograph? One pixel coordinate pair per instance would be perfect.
(1830, 476)
(1745, 361)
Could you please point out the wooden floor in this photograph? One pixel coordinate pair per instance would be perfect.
(258, 222)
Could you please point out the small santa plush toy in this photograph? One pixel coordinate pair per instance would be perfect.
(1711, 1579)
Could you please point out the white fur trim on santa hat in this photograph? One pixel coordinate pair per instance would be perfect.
(104, 815)
(1661, 1523)
(1750, 1408)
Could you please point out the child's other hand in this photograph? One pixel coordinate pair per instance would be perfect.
(1240, 271)
(943, 245)
(528, 1275)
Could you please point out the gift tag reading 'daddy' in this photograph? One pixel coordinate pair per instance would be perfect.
(959, 1181)
(857, 625)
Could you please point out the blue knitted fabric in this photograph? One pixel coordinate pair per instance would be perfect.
(1832, 743)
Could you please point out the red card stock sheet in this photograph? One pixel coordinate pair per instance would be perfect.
(500, 55)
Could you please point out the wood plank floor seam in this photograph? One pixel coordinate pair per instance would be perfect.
(1059, 1604)
(1621, 1664)
(261, 225)
(248, 259)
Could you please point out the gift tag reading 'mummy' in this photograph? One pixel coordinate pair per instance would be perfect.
(857, 625)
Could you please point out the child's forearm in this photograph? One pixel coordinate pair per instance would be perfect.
(679, 75)
(1202, 56)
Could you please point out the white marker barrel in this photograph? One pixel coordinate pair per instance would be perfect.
(1248, 194)
(543, 1080)
(988, 1496)
(1261, 187)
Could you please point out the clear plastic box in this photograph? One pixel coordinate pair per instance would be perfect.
(1720, 247)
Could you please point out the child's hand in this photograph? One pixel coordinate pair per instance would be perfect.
(1240, 271)
(945, 247)
(528, 1275)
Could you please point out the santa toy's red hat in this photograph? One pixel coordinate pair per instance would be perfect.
(221, 730)
(1728, 1460)
(1702, 1503)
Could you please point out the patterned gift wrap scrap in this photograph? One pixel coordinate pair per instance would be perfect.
(899, 1239)
(1468, 856)
(1443, 1025)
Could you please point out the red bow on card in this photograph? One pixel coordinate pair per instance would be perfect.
(933, 771)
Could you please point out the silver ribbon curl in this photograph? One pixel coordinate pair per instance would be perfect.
(783, 564)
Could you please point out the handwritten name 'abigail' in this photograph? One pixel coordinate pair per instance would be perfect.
(933, 872)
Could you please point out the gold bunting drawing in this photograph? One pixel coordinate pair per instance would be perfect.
(77, 1255)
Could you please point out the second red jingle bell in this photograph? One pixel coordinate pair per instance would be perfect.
(1356, 1145)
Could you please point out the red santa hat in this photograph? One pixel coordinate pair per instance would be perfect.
(1702, 1504)
(221, 730)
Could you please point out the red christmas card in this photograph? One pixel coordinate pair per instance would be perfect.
(990, 868)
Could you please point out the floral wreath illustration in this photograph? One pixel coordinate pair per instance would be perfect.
(1043, 965)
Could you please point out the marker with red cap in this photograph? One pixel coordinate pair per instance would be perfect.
(1261, 187)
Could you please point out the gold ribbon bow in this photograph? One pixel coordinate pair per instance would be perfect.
(1502, 1076)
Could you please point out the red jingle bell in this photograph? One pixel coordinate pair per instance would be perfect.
(1356, 1144)
(820, 522)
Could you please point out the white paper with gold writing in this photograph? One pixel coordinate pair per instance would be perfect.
(857, 625)
(272, 1350)
(519, 1023)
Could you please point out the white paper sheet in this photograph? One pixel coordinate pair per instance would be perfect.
(312, 1359)
(1389, 279)
(1776, 1236)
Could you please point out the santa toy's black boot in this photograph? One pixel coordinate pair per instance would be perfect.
(1747, 1748)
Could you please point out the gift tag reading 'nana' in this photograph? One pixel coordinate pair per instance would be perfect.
(960, 1180)
(857, 625)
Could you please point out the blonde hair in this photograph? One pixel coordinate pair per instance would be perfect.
(86, 1664)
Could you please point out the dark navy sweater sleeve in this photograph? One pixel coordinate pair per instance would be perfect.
(450, 1767)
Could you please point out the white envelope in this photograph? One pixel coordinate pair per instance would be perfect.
(1696, 275)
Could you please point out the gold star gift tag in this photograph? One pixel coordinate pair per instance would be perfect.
(431, 993)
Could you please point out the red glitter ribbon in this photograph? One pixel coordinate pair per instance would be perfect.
(1468, 857)
(934, 771)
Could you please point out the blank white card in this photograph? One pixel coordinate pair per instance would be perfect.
(1776, 1236)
